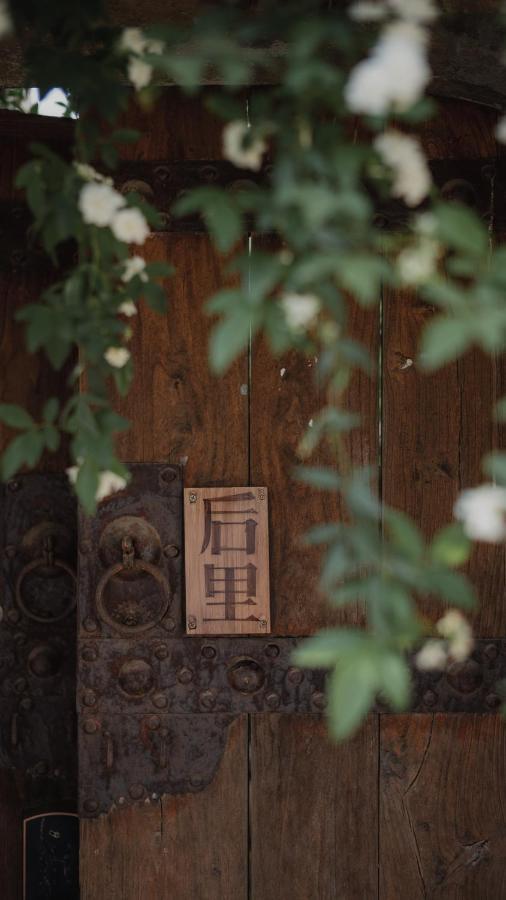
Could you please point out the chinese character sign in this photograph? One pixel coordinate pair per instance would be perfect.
(227, 561)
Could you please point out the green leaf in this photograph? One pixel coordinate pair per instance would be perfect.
(494, 465)
(451, 586)
(322, 534)
(15, 417)
(451, 546)
(444, 340)
(362, 274)
(351, 691)
(229, 338)
(395, 680)
(460, 227)
(325, 648)
(87, 484)
(500, 409)
(323, 479)
(220, 212)
(25, 449)
(403, 534)
(50, 410)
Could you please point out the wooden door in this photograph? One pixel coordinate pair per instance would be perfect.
(412, 806)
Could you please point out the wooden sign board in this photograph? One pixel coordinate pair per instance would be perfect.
(227, 560)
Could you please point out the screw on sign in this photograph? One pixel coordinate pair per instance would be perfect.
(227, 561)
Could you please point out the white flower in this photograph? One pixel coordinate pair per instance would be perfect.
(457, 630)
(500, 130)
(88, 173)
(394, 75)
(365, 11)
(99, 203)
(300, 310)
(130, 226)
(6, 25)
(109, 483)
(139, 72)
(419, 11)
(483, 513)
(433, 655)
(417, 264)
(117, 357)
(404, 155)
(133, 266)
(127, 308)
(249, 157)
(132, 40)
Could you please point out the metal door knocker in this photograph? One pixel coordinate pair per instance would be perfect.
(49, 562)
(126, 614)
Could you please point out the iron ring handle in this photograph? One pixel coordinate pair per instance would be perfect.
(39, 563)
(141, 566)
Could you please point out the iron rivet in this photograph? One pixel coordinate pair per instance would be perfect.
(208, 652)
(90, 624)
(184, 675)
(295, 675)
(10, 551)
(136, 791)
(162, 651)
(160, 701)
(13, 616)
(319, 700)
(492, 700)
(90, 806)
(272, 699)
(121, 801)
(14, 485)
(19, 685)
(196, 781)
(90, 726)
(89, 654)
(171, 550)
(429, 698)
(261, 495)
(168, 475)
(20, 638)
(154, 723)
(262, 622)
(192, 623)
(40, 768)
(89, 698)
(25, 703)
(192, 497)
(168, 623)
(207, 699)
(243, 390)
(491, 651)
(272, 650)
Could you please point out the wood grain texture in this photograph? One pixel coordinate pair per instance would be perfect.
(187, 847)
(437, 428)
(286, 393)
(180, 412)
(442, 807)
(313, 811)
(227, 560)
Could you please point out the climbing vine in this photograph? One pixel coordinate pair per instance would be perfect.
(323, 69)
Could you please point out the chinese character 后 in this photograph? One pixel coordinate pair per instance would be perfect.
(231, 582)
(215, 528)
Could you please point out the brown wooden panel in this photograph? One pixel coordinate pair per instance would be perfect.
(313, 811)
(442, 807)
(285, 396)
(436, 428)
(189, 847)
(179, 411)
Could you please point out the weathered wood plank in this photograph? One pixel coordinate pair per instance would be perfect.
(286, 394)
(442, 807)
(313, 811)
(436, 428)
(189, 847)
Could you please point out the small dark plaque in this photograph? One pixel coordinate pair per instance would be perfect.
(51, 857)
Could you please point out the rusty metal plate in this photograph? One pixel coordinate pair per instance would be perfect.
(472, 686)
(127, 759)
(192, 675)
(37, 639)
